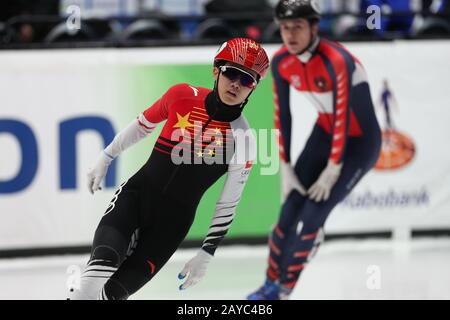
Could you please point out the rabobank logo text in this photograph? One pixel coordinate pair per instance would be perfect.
(387, 200)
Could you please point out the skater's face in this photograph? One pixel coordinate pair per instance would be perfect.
(234, 86)
(297, 34)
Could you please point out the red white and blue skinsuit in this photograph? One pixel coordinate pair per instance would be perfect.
(346, 132)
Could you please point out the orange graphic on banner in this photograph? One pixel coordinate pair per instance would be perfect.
(397, 150)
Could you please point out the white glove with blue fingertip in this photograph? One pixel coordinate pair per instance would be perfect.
(196, 268)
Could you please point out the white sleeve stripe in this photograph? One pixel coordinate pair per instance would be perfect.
(145, 122)
(214, 229)
(209, 238)
(221, 220)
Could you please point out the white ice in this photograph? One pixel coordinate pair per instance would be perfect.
(369, 269)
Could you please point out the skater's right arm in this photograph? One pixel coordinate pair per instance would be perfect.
(138, 129)
(283, 123)
(283, 120)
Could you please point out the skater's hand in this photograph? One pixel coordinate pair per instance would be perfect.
(290, 181)
(196, 268)
(321, 189)
(98, 172)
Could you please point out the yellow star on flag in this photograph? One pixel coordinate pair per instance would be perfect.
(218, 142)
(217, 130)
(199, 154)
(211, 152)
(183, 122)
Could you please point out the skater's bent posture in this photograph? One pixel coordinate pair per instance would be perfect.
(152, 212)
(343, 146)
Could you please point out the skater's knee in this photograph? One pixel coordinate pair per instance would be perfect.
(105, 255)
(109, 246)
(309, 229)
(114, 290)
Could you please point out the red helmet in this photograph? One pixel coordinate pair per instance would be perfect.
(247, 53)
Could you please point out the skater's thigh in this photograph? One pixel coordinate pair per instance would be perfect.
(157, 242)
(122, 212)
(313, 158)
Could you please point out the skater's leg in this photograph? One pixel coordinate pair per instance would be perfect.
(282, 236)
(158, 241)
(110, 245)
(279, 234)
(309, 233)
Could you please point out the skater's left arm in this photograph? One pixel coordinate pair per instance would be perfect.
(221, 222)
(226, 206)
(237, 176)
(344, 68)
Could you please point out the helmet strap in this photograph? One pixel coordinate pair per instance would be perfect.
(308, 52)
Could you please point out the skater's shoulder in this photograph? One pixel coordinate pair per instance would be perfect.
(241, 124)
(335, 51)
(279, 55)
(282, 51)
(186, 91)
(244, 138)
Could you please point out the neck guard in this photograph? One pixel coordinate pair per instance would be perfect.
(220, 111)
(308, 53)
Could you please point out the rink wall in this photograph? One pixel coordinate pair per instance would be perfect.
(58, 108)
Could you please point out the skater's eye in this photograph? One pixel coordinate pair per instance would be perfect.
(232, 73)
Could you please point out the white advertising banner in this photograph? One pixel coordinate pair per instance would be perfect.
(59, 107)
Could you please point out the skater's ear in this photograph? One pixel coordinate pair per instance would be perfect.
(215, 73)
(315, 28)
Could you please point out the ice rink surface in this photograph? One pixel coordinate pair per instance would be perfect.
(344, 269)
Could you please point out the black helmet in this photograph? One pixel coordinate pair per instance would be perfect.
(293, 9)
